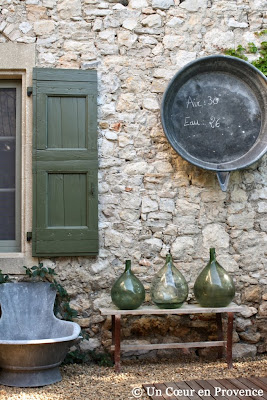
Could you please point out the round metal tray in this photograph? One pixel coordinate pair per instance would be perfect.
(213, 113)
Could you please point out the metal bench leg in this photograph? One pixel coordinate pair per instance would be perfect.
(230, 339)
(116, 340)
(220, 333)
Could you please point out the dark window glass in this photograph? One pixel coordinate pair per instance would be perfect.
(7, 215)
(7, 162)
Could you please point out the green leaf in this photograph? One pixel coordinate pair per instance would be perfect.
(51, 271)
(261, 62)
(261, 33)
(4, 278)
(236, 53)
(252, 48)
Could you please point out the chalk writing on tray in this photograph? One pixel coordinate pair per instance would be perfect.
(210, 101)
(193, 102)
(213, 122)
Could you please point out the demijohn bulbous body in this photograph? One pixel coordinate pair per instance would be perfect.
(128, 292)
(169, 288)
(214, 287)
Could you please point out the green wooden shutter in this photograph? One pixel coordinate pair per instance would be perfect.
(65, 214)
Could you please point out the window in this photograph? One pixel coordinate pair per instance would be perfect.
(10, 166)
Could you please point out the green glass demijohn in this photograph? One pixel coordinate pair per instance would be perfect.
(128, 292)
(214, 287)
(169, 288)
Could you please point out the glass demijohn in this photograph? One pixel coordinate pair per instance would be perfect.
(214, 287)
(169, 288)
(128, 292)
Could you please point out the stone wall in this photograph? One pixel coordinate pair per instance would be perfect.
(151, 200)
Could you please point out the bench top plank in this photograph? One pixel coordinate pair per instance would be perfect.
(185, 309)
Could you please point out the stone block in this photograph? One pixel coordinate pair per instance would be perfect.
(152, 21)
(158, 86)
(175, 22)
(69, 8)
(243, 220)
(193, 5)
(250, 336)
(217, 39)
(228, 262)
(129, 23)
(242, 324)
(127, 101)
(3, 24)
(83, 322)
(126, 38)
(154, 244)
(184, 57)
(262, 207)
(242, 350)
(36, 12)
(263, 309)
(49, 3)
(130, 215)
(25, 27)
(90, 344)
(252, 294)
(47, 58)
(149, 205)
(14, 35)
(97, 12)
(239, 195)
(112, 238)
(170, 42)
(98, 267)
(138, 3)
(185, 207)
(43, 27)
(151, 103)
(248, 312)
(215, 235)
(136, 168)
(167, 205)
(162, 4)
(182, 247)
(232, 23)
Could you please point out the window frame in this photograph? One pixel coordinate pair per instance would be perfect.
(14, 246)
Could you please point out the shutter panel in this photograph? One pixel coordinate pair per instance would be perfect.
(65, 214)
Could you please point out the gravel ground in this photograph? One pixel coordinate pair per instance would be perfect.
(90, 382)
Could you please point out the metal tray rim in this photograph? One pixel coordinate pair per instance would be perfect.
(224, 167)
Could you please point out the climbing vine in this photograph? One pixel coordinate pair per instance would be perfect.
(4, 278)
(62, 307)
(261, 51)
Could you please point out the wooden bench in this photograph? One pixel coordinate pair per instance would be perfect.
(188, 309)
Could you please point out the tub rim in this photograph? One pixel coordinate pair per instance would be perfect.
(74, 336)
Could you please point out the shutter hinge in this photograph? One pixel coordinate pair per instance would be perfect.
(92, 189)
(29, 91)
(29, 236)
